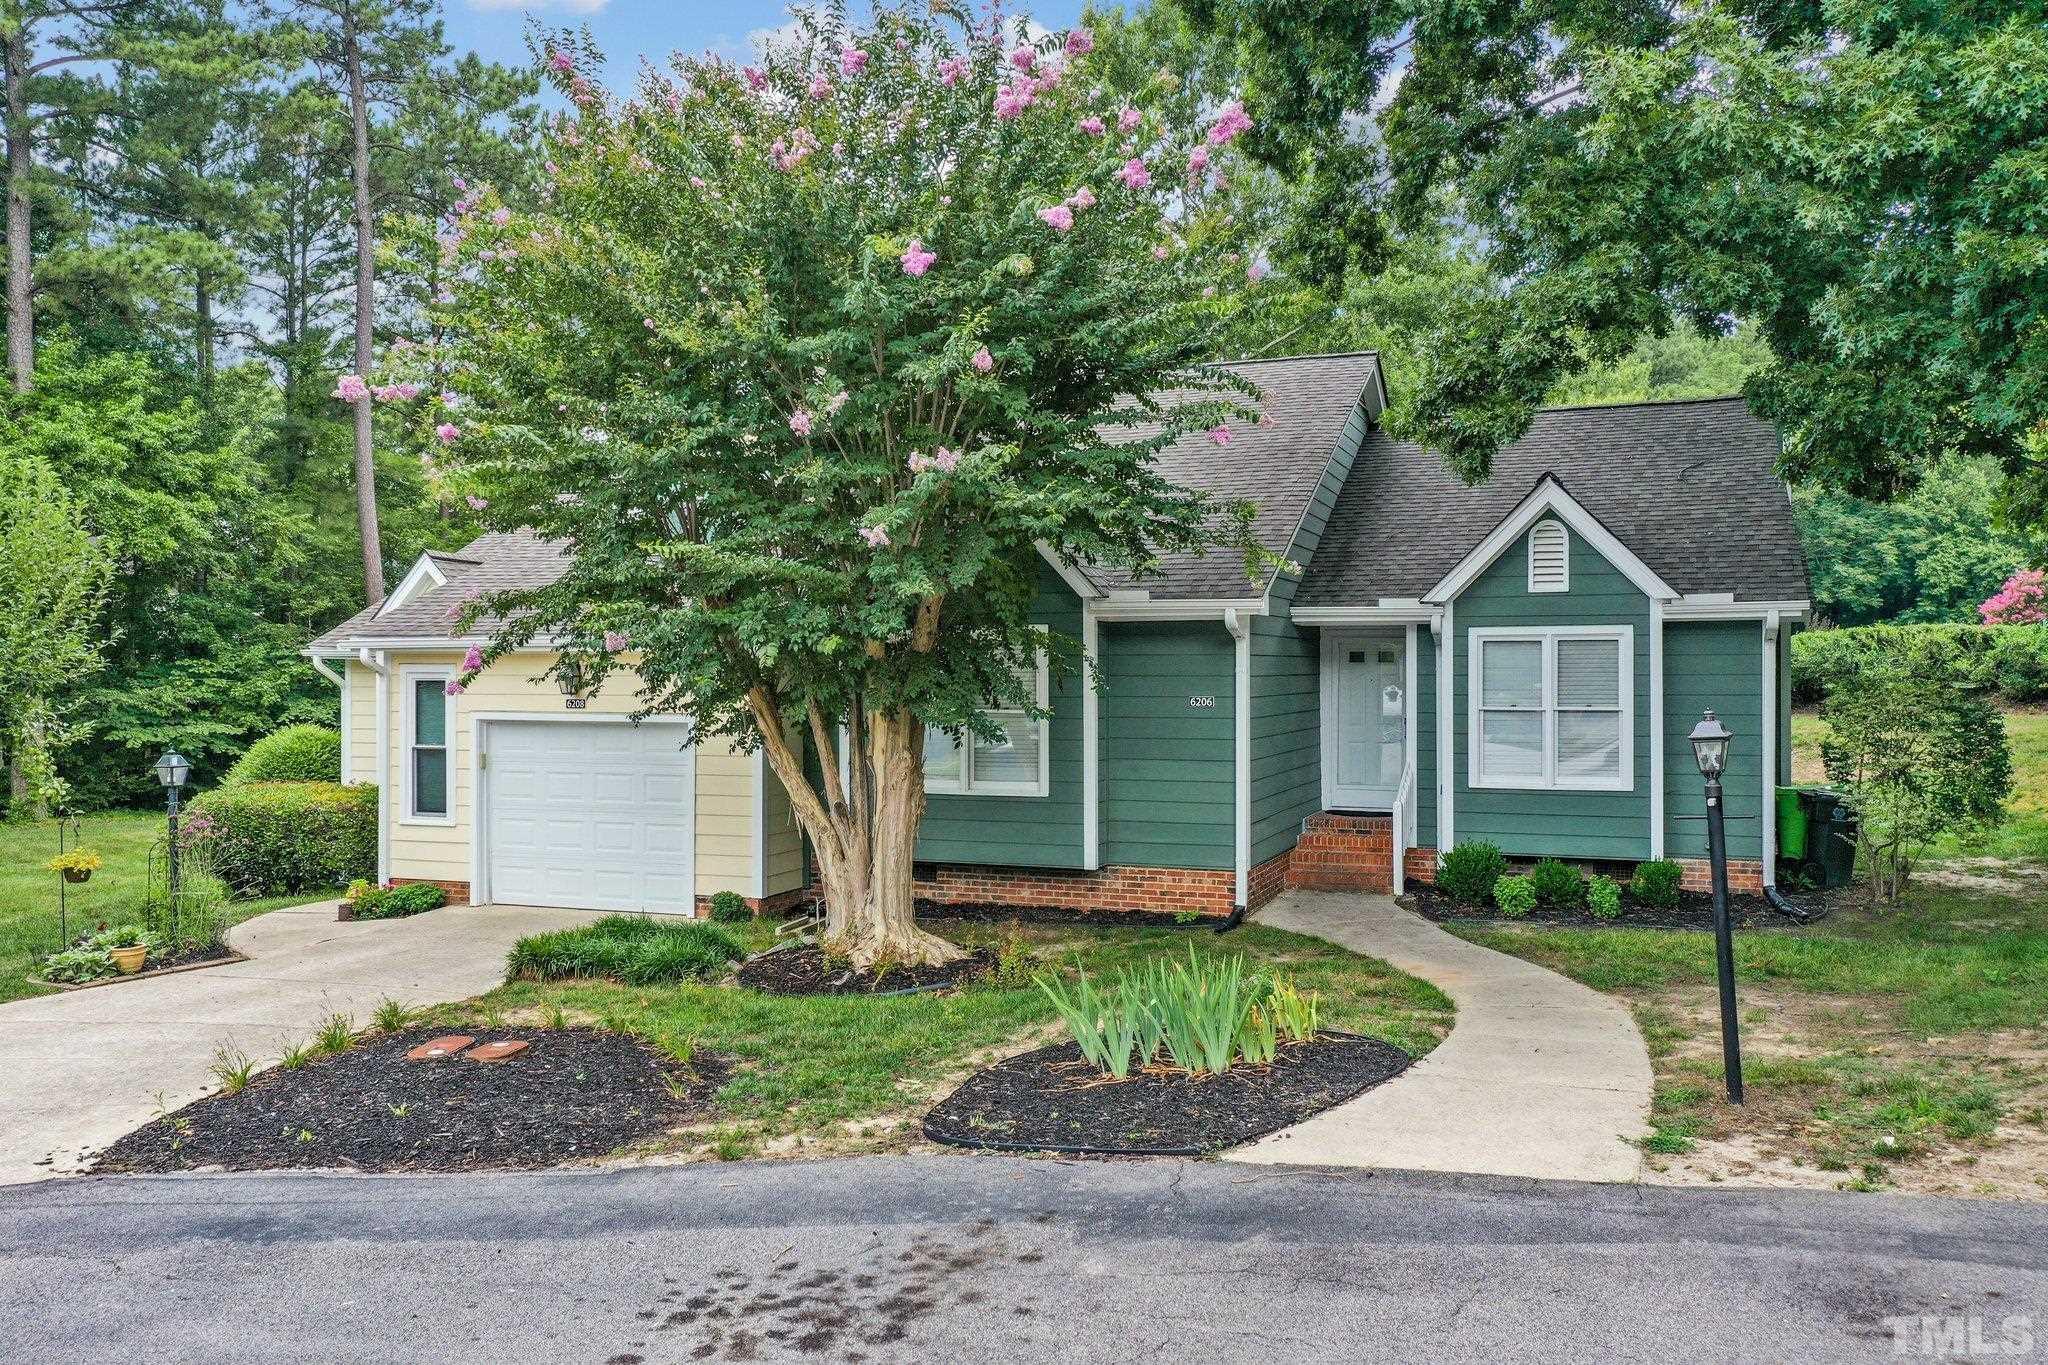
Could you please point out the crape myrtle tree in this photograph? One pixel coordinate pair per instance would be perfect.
(805, 360)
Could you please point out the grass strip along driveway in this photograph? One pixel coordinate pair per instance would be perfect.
(1902, 1048)
(823, 1074)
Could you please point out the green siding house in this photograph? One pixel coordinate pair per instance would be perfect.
(1518, 662)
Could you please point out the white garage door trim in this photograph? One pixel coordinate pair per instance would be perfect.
(480, 724)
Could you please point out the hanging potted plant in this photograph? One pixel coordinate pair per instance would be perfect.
(76, 866)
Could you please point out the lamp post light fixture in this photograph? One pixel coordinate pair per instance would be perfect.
(174, 772)
(1710, 740)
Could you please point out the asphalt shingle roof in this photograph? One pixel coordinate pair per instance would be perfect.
(491, 563)
(1689, 486)
(1277, 466)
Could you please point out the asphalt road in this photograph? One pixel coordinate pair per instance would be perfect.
(923, 1258)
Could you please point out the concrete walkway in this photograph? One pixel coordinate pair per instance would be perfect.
(1539, 1077)
(79, 1069)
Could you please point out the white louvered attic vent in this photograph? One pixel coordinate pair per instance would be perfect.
(1550, 558)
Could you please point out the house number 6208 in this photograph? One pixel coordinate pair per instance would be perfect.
(1203, 703)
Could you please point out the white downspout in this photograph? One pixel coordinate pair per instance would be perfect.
(1091, 739)
(1767, 845)
(375, 662)
(340, 680)
(1656, 728)
(1240, 628)
(1446, 777)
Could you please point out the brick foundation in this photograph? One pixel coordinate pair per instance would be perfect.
(458, 892)
(1744, 877)
(1206, 891)
(1420, 865)
(1344, 853)
(763, 905)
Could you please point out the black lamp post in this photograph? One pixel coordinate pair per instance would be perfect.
(1710, 741)
(173, 771)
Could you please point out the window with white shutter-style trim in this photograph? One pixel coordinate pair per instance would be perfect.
(1550, 557)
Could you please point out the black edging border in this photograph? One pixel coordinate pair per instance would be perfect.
(998, 1145)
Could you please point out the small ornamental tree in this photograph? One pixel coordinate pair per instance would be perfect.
(2023, 601)
(806, 362)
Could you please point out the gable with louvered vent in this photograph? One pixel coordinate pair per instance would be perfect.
(1550, 557)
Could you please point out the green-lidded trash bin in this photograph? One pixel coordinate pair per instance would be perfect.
(1831, 831)
(1791, 824)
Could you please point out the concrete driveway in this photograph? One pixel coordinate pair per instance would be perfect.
(79, 1069)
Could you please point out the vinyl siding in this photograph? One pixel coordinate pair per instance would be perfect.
(724, 854)
(1546, 822)
(1717, 664)
(1025, 831)
(783, 836)
(359, 764)
(1168, 769)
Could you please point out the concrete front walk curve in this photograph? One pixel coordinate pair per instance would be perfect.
(79, 1069)
(1539, 1077)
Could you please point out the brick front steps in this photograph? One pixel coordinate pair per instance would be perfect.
(1343, 853)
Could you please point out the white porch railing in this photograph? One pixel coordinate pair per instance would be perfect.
(1404, 797)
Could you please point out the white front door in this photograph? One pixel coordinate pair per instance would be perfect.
(590, 815)
(1366, 675)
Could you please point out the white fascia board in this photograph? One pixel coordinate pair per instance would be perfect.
(424, 569)
(1703, 607)
(1550, 498)
(1072, 576)
(1210, 609)
(1417, 614)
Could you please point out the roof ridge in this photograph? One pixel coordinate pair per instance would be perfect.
(1643, 403)
(1302, 355)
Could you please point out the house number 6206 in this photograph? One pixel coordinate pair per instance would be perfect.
(1203, 703)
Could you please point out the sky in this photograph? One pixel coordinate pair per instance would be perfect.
(629, 29)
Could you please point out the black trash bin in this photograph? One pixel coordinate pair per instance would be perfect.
(1831, 830)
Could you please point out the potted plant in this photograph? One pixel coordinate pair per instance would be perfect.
(76, 866)
(127, 945)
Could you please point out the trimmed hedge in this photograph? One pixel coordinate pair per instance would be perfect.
(398, 902)
(297, 753)
(2011, 661)
(275, 838)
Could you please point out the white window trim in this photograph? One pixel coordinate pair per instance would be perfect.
(1549, 636)
(1564, 532)
(1042, 787)
(409, 730)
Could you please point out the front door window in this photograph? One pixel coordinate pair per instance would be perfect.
(1369, 674)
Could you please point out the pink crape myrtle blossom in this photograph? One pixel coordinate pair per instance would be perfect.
(852, 61)
(952, 69)
(917, 260)
(1134, 175)
(616, 640)
(476, 503)
(757, 79)
(448, 433)
(561, 61)
(982, 361)
(836, 402)
(1220, 435)
(1255, 272)
(1023, 58)
(1198, 160)
(1128, 119)
(453, 689)
(1011, 102)
(2022, 601)
(1080, 43)
(1059, 217)
(875, 536)
(501, 216)
(473, 660)
(800, 421)
(1160, 252)
(1229, 124)
(350, 388)
(1092, 126)
(1083, 198)
(945, 461)
(820, 87)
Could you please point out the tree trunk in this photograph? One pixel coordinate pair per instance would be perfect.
(21, 342)
(202, 328)
(366, 301)
(863, 831)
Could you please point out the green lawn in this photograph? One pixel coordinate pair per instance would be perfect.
(808, 1067)
(115, 895)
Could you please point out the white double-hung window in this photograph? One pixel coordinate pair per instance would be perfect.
(1016, 765)
(1552, 708)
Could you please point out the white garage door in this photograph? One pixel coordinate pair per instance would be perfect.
(590, 815)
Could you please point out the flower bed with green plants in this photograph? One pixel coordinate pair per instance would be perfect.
(1475, 881)
(364, 901)
(1170, 1057)
(636, 950)
(97, 955)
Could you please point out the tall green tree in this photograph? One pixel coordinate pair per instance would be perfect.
(825, 348)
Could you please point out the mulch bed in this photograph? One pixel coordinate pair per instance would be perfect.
(184, 960)
(573, 1095)
(806, 970)
(1053, 914)
(1051, 1100)
(1695, 910)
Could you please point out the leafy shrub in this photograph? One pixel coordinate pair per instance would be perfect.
(1204, 1015)
(1515, 896)
(1916, 760)
(2011, 661)
(1603, 897)
(730, 907)
(1558, 885)
(91, 956)
(396, 902)
(1469, 871)
(1656, 882)
(297, 753)
(270, 838)
(631, 948)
